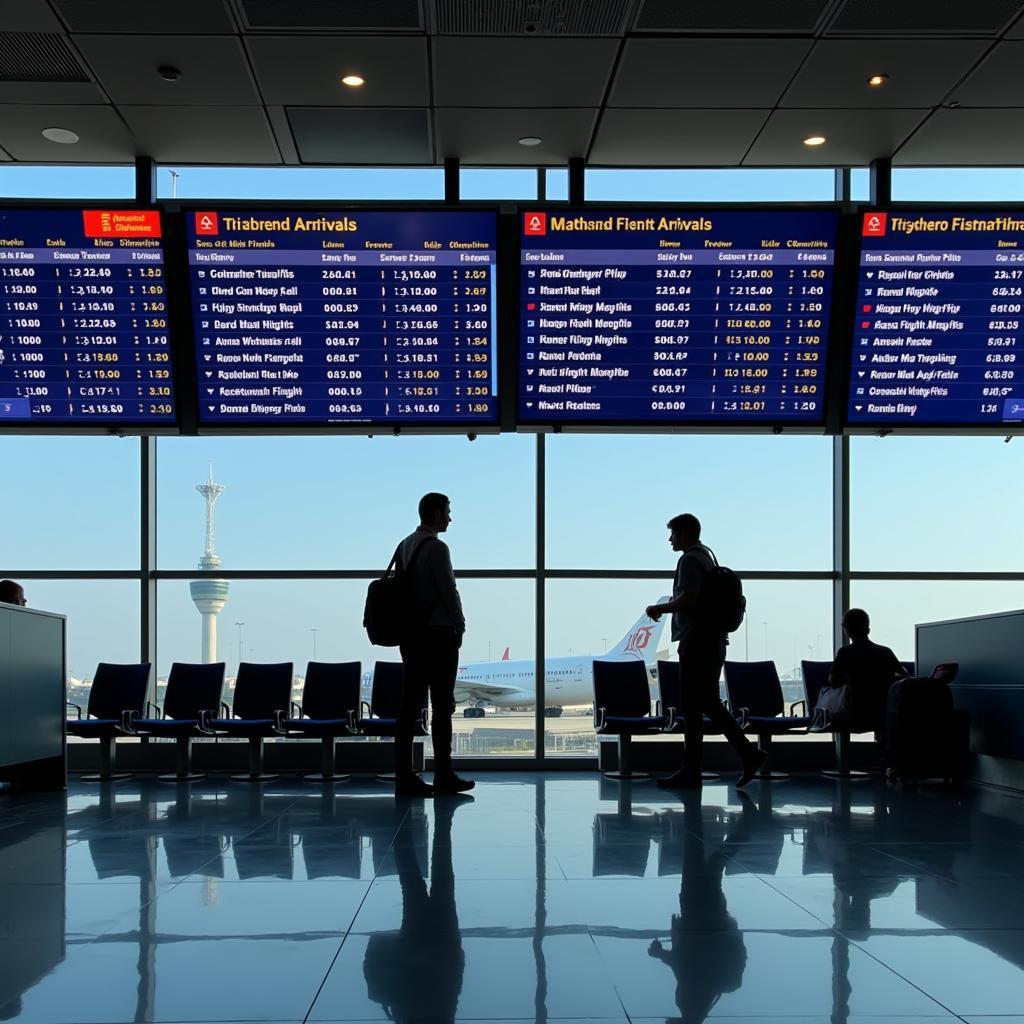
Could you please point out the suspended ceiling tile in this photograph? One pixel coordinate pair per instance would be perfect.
(333, 15)
(141, 16)
(925, 17)
(362, 135)
(51, 93)
(722, 16)
(531, 18)
(103, 138)
(282, 130)
(307, 70)
(203, 135)
(490, 136)
(507, 72)
(28, 16)
(675, 138)
(967, 138)
(998, 82)
(214, 69)
(4, 155)
(921, 72)
(705, 73)
(854, 137)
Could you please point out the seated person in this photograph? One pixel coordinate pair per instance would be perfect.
(11, 593)
(868, 669)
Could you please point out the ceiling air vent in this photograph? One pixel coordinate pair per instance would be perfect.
(334, 15)
(531, 17)
(38, 57)
(732, 16)
(925, 17)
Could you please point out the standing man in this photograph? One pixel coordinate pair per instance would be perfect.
(430, 651)
(701, 656)
(12, 593)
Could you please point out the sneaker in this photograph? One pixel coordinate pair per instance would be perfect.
(412, 785)
(449, 782)
(683, 779)
(752, 765)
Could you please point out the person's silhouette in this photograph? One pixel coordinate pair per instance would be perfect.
(707, 953)
(416, 972)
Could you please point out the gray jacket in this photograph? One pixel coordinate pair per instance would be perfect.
(436, 595)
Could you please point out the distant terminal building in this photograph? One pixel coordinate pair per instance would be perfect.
(209, 595)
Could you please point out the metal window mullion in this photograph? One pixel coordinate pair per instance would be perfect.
(540, 640)
(840, 535)
(147, 557)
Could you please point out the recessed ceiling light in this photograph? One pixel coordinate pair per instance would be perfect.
(353, 81)
(814, 140)
(63, 135)
(876, 80)
(530, 140)
(168, 72)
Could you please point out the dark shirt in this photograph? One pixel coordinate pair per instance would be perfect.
(434, 590)
(692, 569)
(869, 669)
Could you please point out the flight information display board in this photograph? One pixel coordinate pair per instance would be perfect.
(938, 336)
(345, 317)
(675, 316)
(83, 318)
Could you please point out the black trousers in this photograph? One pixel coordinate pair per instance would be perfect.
(700, 666)
(431, 660)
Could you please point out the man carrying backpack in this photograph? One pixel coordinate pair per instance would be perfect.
(701, 629)
(430, 649)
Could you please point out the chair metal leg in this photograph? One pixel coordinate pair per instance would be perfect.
(766, 774)
(106, 772)
(256, 772)
(183, 758)
(842, 770)
(625, 761)
(327, 772)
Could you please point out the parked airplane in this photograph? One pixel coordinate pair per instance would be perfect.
(567, 680)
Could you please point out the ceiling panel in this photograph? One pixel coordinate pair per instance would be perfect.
(855, 137)
(4, 155)
(333, 15)
(362, 135)
(743, 16)
(705, 73)
(488, 136)
(532, 17)
(195, 135)
(103, 137)
(967, 138)
(675, 138)
(307, 70)
(505, 72)
(28, 16)
(998, 82)
(214, 69)
(143, 16)
(52, 93)
(925, 17)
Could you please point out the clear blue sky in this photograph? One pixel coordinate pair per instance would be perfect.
(343, 502)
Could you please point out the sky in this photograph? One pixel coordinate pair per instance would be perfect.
(333, 502)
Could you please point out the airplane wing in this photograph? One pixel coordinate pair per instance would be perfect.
(478, 691)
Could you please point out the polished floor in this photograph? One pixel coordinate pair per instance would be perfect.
(545, 898)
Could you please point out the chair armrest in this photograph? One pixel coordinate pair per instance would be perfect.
(671, 719)
(128, 721)
(152, 707)
(204, 722)
(743, 717)
(657, 706)
(424, 723)
(296, 707)
(77, 707)
(279, 716)
(599, 717)
(364, 710)
(802, 704)
(225, 710)
(353, 727)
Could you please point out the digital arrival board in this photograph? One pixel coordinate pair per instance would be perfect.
(83, 318)
(675, 317)
(938, 336)
(345, 317)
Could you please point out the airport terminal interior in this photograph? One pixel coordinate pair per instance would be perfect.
(271, 271)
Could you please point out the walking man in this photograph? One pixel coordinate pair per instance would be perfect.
(701, 656)
(430, 650)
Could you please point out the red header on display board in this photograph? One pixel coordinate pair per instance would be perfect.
(122, 223)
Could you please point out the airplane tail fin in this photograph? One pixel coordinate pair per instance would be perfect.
(642, 639)
(504, 657)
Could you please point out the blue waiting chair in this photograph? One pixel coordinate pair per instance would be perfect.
(379, 717)
(117, 692)
(622, 708)
(329, 708)
(670, 704)
(192, 694)
(755, 697)
(259, 710)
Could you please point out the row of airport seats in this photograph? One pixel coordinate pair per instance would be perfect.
(622, 708)
(262, 708)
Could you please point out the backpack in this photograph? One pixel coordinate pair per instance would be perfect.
(389, 609)
(722, 600)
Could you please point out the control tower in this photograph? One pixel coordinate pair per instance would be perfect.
(209, 595)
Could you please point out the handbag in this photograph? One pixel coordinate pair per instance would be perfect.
(835, 704)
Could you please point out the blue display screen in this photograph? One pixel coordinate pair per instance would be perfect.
(938, 329)
(83, 318)
(675, 316)
(321, 317)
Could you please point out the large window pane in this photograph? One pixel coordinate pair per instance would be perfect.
(731, 185)
(967, 184)
(896, 606)
(934, 504)
(498, 183)
(345, 502)
(70, 503)
(764, 502)
(30, 182)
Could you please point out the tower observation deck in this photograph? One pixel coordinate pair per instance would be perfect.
(208, 595)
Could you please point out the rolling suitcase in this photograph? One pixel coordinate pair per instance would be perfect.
(926, 737)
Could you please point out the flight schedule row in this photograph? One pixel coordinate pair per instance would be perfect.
(84, 318)
(344, 319)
